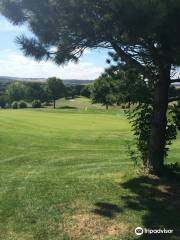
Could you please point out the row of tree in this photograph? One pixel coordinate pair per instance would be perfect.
(49, 91)
(118, 85)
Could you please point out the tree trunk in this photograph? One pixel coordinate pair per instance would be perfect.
(54, 103)
(157, 141)
(107, 106)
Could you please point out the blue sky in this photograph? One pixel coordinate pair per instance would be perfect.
(13, 63)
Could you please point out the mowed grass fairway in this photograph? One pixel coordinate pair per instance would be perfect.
(67, 174)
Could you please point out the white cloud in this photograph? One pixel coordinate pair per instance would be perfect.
(16, 65)
(6, 26)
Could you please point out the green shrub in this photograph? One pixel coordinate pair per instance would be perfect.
(36, 104)
(14, 105)
(3, 101)
(22, 104)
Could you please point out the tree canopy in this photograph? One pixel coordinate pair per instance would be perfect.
(55, 88)
(36, 91)
(15, 91)
(103, 91)
(142, 32)
(130, 85)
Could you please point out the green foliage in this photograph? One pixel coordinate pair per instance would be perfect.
(44, 91)
(176, 114)
(36, 104)
(73, 90)
(134, 155)
(3, 86)
(121, 84)
(55, 88)
(129, 85)
(140, 117)
(16, 91)
(103, 91)
(36, 91)
(14, 105)
(28, 91)
(86, 91)
(3, 101)
(173, 124)
(22, 104)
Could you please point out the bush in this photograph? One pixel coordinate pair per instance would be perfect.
(14, 105)
(36, 104)
(48, 104)
(3, 101)
(22, 104)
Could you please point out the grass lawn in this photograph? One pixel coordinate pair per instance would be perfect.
(66, 174)
(79, 103)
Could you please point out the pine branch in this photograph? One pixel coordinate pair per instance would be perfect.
(128, 58)
(174, 99)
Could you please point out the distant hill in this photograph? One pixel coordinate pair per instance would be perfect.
(77, 81)
(66, 81)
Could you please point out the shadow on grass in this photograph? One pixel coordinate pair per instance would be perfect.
(158, 199)
(106, 209)
(67, 107)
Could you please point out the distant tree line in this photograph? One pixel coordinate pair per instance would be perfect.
(44, 92)
(118, 85)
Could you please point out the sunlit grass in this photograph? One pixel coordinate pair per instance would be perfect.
(63, 171)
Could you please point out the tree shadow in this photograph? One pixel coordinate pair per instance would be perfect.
(155, 200)
(106, 209)
(159, 199)
(68, 107)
